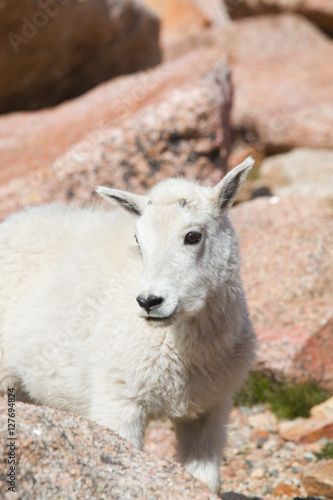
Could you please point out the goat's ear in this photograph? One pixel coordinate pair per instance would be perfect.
(133, 203)
(230, 185)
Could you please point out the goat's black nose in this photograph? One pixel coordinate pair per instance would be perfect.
(151, 303)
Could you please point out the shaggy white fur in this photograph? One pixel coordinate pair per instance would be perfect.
(93, 323)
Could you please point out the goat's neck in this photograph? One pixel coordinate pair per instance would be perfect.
(211, 331)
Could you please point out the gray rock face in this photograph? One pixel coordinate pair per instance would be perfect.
(53, 50)
(59, 455)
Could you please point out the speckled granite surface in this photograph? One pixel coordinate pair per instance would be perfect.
(61, 456)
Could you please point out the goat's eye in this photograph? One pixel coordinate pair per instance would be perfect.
(192, 238)
(136, 239)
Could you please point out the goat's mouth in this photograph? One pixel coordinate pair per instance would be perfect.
(158, 318)
(163, 320)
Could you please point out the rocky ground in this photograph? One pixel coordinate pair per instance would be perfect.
(268, 458)
(261, 462)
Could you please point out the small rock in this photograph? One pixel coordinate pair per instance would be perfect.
(318, 479)
(263, 421)
(323, 410)
(258, 473)
(248, 464)
(230, 495)
(260, 434)
(285, 425)
(309, 431)
(271, 445)
(309, 457)
(285, 489)
(260, 442)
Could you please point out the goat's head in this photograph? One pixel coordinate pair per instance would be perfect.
(186, 242)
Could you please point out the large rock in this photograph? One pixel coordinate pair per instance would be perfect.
(287, 272)
(134, 131)
(185, 24)
(268, 37)
(279, 104)
(182, 25)
(319, 12)
(52, 50)
(307, 172)
(59, 455)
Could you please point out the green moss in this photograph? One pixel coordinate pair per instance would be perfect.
(254, 174)
(100, 490)
(326, 452)
(286, 400)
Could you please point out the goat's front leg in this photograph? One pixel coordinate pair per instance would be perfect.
(200, 445)
(124, 417)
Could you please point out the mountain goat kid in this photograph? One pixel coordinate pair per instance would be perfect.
(124, 331)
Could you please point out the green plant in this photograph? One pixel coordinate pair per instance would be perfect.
(287, 400)
(254, 174)
(326, 452)
(100, 491)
